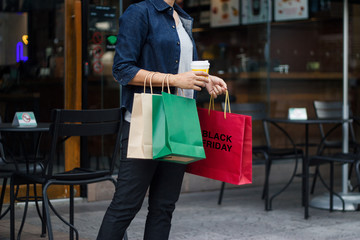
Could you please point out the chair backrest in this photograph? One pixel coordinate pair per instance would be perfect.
(257, 110)
(331, 110)
(328, 110)
(84, 123)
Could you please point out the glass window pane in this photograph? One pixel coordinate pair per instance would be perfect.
(31, 59)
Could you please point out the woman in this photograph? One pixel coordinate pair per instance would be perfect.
(154, 36)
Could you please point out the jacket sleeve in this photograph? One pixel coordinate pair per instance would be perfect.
(133, 28)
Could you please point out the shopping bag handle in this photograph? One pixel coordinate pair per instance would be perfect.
(211, 104)
(168, 85)
(226, 105)
(167, 81)
(151, 74)
(182, 91)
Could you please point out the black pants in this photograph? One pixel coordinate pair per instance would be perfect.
(164, 181)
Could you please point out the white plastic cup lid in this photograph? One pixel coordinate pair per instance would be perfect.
(200, 64)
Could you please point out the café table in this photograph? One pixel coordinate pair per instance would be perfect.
(40, 127)
(37, 131)
(305, 164)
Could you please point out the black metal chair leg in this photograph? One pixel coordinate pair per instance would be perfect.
(72, 211)
(350, 170)
(357, 170)
(265, 195)
(221, 193)
(267, 174)
(25, 212)
(43, 224)
(314, 179)
(331, 186)
(350, 186)
(2, 197)
(47, 212)
(329, 189)
(12, 209)
(48, 205)
(40, 213)
(286, 186)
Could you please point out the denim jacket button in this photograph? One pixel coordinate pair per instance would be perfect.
(178, 43)
(173, 26)
(176, 61)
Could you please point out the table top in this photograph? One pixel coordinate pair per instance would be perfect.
(307, 121)
(8, 127)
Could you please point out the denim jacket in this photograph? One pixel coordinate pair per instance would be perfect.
(148, 40)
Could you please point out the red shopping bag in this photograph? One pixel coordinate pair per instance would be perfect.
(227, 140)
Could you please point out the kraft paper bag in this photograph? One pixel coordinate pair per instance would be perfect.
(140, 135)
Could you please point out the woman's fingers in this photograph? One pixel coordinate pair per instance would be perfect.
(196, 88)
(217, 89)
(221, 89)
(202, 79)
(201, 73)
(191, 80)
(219, 82)
(200, 83)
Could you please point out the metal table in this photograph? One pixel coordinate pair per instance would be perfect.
(40, 128)
(8, 127)
(305, 165)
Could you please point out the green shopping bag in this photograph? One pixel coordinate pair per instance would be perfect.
(176, 129)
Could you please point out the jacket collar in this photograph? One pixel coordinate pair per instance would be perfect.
(161, 5)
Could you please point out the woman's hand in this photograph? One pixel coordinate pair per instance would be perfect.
(216, 86)
(190, 80)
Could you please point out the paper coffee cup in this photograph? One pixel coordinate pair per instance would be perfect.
(200, 66)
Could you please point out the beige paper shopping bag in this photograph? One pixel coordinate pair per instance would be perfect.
(140, 135)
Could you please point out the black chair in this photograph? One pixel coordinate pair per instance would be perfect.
(9, 164)
(287, 151)
(258, 112)
(332, 141)
(100, 124)
(266, 153)
(320, 158)
(332, 110)
(5, 174)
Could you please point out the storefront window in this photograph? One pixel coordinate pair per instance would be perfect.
(103, 90)
(265, 50)
(31, 60)
(304, 60)
(233, 36)
(32, 57)
(31, 68)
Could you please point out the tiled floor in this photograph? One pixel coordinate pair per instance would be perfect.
(198, 217)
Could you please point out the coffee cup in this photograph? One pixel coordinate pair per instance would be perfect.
(200, 66)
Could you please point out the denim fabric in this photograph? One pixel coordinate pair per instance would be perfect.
(148, 40)
(134, 178)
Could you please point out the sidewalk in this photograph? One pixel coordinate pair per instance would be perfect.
(198, 217)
